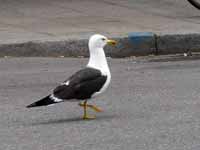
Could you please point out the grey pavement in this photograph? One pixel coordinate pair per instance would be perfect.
(55, 20)
(149, 106)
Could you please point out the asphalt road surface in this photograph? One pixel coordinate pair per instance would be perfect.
(45, 20)
(150, 105)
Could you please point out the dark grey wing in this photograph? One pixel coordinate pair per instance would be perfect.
(81, 85)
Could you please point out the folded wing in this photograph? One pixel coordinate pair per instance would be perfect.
(82, 85)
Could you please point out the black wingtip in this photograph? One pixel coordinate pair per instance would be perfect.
(31, 105)
(43, 102)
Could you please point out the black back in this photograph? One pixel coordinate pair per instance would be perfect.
(82, 85)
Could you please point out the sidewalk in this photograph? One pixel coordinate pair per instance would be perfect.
(30, 20)
(50, 20)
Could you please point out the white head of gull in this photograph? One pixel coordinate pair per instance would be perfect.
(97, 55)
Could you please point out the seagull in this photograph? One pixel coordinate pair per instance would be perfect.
(86, 83)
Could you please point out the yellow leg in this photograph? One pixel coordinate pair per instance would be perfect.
(95, 108)
(85, 115)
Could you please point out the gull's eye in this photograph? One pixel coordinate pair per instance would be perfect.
(103, 39)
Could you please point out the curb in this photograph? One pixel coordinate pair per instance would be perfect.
(170, 44)
(135, 44)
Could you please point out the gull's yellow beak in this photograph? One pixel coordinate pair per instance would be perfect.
(111, 42)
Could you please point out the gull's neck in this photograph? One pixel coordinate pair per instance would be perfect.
(98, 60)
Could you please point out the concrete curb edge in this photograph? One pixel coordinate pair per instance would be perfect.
(135, 44)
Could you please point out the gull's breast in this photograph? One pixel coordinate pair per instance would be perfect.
(106, 84)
